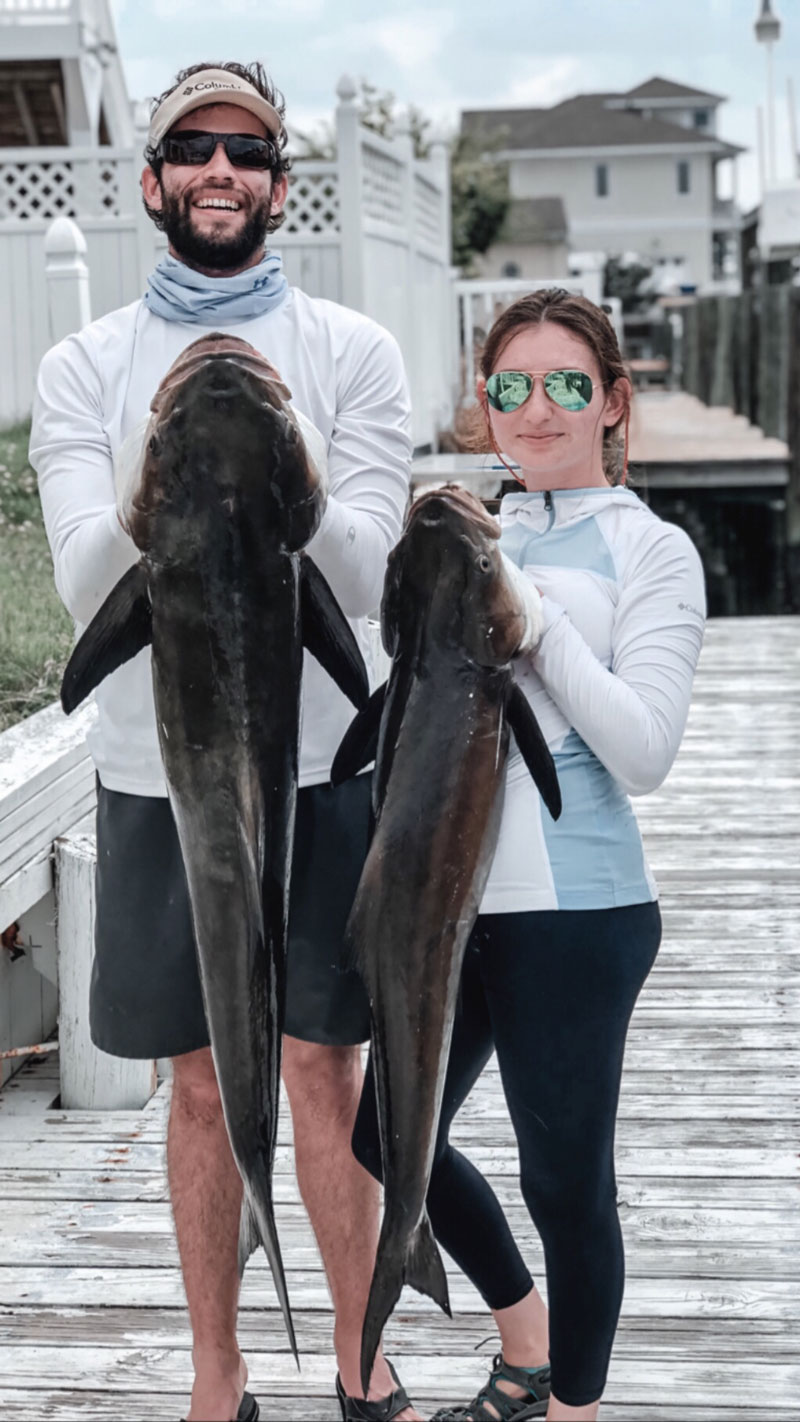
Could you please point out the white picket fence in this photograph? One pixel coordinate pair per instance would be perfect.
(370, 229)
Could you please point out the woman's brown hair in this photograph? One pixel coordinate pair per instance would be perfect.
(585, 320)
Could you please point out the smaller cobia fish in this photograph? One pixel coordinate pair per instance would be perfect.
(454, 614)
(223, 501)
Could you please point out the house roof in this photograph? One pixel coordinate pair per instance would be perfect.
(528, 220)
(585, 121)
(657, 88)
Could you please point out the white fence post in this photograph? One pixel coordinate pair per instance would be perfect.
(348, 150)
(90, 1079)
(67, 276)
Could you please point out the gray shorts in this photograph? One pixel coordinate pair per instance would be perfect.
(145, 998)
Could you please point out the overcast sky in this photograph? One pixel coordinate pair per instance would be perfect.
(445, 55)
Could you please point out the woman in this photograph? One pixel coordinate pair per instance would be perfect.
(569, 926)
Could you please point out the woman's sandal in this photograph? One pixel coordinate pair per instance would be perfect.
(536, 1381)
(357, 1409)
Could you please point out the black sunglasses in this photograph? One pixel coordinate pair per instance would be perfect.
(195, 147)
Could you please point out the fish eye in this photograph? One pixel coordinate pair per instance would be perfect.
(484, 563)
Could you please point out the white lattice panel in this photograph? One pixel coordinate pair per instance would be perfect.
(110, 201)
(60, 188)
(427, 211)
(382, 186)
(36, 190)
(313, 202)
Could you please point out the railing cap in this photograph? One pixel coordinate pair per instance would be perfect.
(346, 89)
(64, 238)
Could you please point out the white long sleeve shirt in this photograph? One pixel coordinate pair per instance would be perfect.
(623, 612)
(345, 374)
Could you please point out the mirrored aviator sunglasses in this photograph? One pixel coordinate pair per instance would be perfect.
(506, 390)
(244, 150)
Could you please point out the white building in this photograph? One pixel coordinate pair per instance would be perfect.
(533, 242)
(635, 171)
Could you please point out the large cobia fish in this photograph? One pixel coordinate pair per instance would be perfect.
(454, 614)
(225, 499)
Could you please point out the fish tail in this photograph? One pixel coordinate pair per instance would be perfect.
(417, 1263)
(257, 1226)
(424, 1268)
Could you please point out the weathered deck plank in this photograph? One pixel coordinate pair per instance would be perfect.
(92, 1316)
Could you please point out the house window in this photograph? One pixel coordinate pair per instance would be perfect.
(601, 180)
(512, 270)
(683, 177)
(701, 118)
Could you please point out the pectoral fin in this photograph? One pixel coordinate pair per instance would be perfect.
(121, 628)
(359, 743)
(534, 749)
(328, 636)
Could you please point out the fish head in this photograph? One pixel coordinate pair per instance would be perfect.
(223, 443)
(448, 570)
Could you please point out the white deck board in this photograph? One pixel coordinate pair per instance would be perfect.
(92, 1316)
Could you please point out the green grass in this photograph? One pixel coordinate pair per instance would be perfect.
(35, 630)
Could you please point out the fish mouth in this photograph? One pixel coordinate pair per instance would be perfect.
(222, 354)
(437, 505)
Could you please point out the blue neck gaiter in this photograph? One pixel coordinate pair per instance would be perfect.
(178, 293)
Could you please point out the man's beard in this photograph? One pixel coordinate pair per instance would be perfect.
(218, 254)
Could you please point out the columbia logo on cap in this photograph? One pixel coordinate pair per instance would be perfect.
(212, 84)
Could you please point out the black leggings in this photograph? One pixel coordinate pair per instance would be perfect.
(553, 994)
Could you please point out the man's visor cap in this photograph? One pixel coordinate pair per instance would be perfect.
(211, 86)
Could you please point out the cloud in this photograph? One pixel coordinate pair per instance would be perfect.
(414, 39)
(555, 79)
(411, 40)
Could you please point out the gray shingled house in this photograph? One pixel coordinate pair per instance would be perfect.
(630, 172)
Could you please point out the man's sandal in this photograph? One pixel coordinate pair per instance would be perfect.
(249, 1410)
(357, 1409)
(536, 1381)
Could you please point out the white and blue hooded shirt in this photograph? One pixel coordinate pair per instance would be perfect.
(623, 605)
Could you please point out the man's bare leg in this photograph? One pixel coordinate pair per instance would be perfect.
(206, 1195)
(342, 1199)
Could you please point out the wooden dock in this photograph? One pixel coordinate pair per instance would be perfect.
(92, 1322)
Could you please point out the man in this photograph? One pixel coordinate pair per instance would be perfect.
(216, 182)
